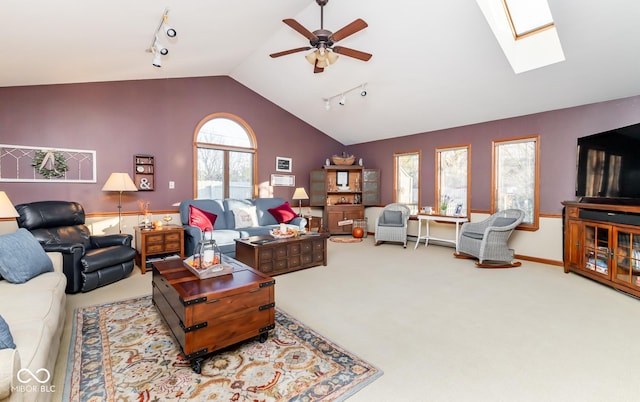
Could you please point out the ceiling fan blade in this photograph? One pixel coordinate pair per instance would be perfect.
(348, 30)
(299, 28)
(286, 52)
(352, 53)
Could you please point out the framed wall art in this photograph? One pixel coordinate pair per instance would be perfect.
(22, 163)
(287, 180)
(283, 164)
(342, 178)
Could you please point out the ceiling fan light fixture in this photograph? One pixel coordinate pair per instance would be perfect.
(323, 40)
(332, 57)
(311, 58)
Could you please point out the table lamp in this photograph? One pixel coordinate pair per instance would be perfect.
(119, 182)
(7, 209)
(300, 194)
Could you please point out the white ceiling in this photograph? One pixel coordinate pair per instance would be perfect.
(435, 64)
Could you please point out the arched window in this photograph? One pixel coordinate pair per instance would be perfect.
(225, 158)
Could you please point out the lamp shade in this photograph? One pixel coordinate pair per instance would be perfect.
(119, 182)
(300, 194)
(6, 207)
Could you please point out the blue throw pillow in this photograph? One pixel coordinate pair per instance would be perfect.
(22, 257)
(6, 340)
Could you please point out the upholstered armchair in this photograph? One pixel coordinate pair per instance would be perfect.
(88, 261)
(391, 224)
(487, 240)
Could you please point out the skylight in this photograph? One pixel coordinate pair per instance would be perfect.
(525, 31)
(527, 17)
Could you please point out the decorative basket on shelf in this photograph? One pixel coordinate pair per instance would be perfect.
(343, 160)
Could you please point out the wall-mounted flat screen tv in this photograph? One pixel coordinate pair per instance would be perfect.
(609, 164)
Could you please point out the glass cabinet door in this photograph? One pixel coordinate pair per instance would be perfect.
(627, 257)
(596, 249)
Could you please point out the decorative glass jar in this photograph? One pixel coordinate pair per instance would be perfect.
(206, 254)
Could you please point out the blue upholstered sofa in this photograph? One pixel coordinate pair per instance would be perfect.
(225, 230)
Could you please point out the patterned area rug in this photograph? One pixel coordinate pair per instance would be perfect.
(344, 239)
(122, 351)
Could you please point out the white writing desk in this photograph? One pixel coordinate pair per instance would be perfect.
(457, 220)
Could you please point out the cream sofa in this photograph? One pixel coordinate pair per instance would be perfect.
(35, 312)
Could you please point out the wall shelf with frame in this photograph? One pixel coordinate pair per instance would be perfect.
(144, 172)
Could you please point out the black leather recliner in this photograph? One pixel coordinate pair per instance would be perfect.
(88, 261)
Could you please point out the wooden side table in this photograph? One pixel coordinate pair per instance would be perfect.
(168, 239)
(313, 222)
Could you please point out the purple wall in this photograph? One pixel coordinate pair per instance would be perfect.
(558, 131)
(156, 117)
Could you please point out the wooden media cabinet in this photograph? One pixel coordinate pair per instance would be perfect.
(602, 242)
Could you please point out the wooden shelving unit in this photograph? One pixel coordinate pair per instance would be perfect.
(343, 191)
(144, 172)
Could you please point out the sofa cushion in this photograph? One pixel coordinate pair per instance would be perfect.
(22, 257)
(283, 213)
(245, 217)
(202, 219)
(233, 203)
(6, 340)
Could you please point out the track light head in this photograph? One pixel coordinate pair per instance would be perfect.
(165, 24)
(170, 31)
(343, 101)
(327, 105)
(157, 59)
(363, 91)
(159, 48)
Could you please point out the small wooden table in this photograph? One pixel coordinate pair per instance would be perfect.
(205, 315)
(168, 239)
(313, 222)
(457, 220)
(279, 256)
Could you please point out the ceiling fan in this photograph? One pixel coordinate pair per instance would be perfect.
(323, 41)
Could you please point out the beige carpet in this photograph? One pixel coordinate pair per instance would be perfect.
(443, 330)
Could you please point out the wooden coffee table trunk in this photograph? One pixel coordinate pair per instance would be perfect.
(278, 256)
(205, 315)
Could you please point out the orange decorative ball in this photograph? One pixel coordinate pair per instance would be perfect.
(358, 233)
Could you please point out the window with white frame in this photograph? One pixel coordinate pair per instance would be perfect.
(515, 179)
(406, 176)
(453, 180)
(225, 149)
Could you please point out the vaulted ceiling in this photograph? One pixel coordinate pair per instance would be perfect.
(435, 64)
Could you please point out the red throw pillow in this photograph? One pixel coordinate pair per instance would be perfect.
(283, 213)
(202, 219)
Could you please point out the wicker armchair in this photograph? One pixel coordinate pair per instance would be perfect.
(486, 241)
(391, 225)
